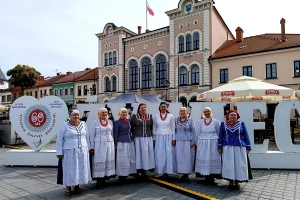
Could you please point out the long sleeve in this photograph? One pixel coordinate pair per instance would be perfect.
(92, 133)
(59, 140)
(87, 136)
(221, 136)
(172, 121)
(246, 137)
(193, 131)
(116, 132)
(218, 123)
(199, 130)
(154, 126)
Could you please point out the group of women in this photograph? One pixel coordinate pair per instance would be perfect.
(160, 143)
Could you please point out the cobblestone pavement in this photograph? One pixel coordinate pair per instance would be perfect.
(40, 183)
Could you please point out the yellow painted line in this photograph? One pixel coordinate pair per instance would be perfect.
(182, 189)
(14, 147)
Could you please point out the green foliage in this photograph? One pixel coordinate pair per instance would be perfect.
(23, 76)
(193, 99)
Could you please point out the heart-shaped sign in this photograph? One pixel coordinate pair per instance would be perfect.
(37, 121)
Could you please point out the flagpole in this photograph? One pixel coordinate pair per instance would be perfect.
(146, 16)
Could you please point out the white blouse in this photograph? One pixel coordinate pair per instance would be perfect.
(165, 127)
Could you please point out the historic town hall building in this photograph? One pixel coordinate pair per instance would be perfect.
(170, 62)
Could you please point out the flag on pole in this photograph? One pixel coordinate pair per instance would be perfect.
(149, 9)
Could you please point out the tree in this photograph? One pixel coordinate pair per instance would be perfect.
(23, 76)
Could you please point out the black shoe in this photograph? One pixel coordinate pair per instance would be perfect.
(122, 180)
(184, 178)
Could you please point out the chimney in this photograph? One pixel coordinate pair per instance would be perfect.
(139, 30)
(41, 78)
(282, 22)
(57, 74)
(147, 31)
(69, 73)
(239, 34)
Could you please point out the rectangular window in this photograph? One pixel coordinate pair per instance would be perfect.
(8, 98)
(94, 89)
(223, 75)
(3, 98)
(60, 92)
(85, 90)
(247, 71)
(30, 93)
(35, 94)
(71, 91)
(50, 92)
(271, 70)
(79, 91)
(55, 92)
(45, 92)
(41, 93)
(297, 68)
(66, 91)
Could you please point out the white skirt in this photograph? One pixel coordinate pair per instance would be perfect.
(76, 166)
(103, 159)
(125, 159)
(144, 153)
(164, 154)
(185, 156)
(234, 166)
(208, 158)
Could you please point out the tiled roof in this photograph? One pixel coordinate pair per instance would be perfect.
(73, 76)
(256, 44)
(52, 80)
(93, 74)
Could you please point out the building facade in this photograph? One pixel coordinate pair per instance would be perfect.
(170, 62)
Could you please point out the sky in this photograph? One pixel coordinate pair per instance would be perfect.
(59, 35)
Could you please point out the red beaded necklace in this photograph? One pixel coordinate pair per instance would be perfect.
(207, 123)
(231, 125)
(183, 121)
(104, 124)
(145, 118)
(163, 118)
(125, 121)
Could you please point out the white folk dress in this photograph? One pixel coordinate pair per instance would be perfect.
(103, 162)
(208, 158)
(73, 143)
(164, 152)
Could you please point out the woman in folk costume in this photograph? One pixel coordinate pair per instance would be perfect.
(72, 146)
(234, 145)
(185, 143)
(164, 140)
(103, 148)
(141, 129)
(125, 160)
(208, 159)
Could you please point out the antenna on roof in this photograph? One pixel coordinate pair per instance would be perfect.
(56, 70)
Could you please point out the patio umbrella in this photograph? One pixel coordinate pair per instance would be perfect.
(247, 88)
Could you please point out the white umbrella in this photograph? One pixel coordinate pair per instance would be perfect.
(247, 88)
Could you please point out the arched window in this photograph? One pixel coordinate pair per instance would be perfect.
(110, 58)
(196, 41)
(115, 58)
(183, 101)
(106, 58)
(133, 75)
(188, 43)
(195, 75)
(183, 76)
(114, 83)
(146, 73)
(107, 85)
(181, 44)
(161, 71)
